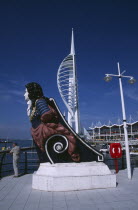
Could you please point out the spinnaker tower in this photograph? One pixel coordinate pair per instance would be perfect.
(68, 87)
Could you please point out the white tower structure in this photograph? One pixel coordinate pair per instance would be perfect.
(68, 87)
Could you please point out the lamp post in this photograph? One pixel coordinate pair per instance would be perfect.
(108, 78)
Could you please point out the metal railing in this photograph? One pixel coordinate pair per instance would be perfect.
(28, 156)
(121, 161)
(29, 162)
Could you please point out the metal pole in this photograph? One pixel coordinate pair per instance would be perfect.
(120, 130)
(93, 133)
(125, 125)
(25, 163)
(131, 132)
(99, 132)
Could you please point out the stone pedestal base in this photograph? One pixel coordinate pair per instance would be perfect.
(73, 176)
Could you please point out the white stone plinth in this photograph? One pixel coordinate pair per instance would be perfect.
(73, 176)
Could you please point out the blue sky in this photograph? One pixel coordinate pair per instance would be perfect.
(34, 39)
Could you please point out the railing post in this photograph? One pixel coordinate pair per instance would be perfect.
(123, 160)
(25, 166)
(1, 164)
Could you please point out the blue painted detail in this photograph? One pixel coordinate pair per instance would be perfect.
(42, 106)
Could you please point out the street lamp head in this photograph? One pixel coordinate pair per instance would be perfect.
(107, 78)
(132, 80)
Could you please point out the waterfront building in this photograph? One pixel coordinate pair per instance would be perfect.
(113, 132)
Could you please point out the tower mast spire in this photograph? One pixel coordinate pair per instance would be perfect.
(72, 51)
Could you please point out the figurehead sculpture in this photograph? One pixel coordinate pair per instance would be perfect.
(55, 140)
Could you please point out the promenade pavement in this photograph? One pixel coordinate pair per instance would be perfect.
(17, 194)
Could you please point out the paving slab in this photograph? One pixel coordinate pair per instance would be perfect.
(17, 193)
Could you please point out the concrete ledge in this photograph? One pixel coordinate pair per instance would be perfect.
(73, 176)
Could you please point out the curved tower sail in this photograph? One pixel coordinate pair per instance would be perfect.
(68, 88)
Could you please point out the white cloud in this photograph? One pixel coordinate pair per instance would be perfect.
(16, 92)
(23, 102)
(18, 83)
(111, 93)
(132, 93)
(11, 92)
(11, 89)
(6, 97)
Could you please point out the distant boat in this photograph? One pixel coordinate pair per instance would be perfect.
(133, 153)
